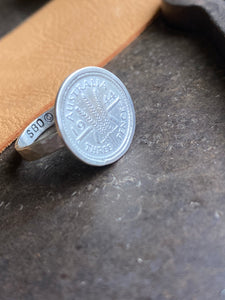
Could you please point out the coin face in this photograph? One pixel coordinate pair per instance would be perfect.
(95, 116)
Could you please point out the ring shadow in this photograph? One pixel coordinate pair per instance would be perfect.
(33, 185)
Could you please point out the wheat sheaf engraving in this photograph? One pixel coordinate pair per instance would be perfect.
(96, 115)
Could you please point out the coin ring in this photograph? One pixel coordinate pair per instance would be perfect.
(64, 125)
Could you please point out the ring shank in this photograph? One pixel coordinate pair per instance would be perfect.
(40, 138)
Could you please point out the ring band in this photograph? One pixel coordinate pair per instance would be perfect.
(40, 138)
(93, 117)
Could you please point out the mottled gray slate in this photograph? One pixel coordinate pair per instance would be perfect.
(151, 226)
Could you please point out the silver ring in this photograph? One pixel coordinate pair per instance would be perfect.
(93, 117)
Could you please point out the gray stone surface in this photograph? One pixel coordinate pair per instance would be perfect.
(151, 226)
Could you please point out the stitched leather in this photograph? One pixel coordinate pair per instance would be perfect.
(61, 37)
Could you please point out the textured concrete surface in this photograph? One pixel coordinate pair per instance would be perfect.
(151, 226)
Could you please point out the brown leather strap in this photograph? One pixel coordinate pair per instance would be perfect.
(60, 38)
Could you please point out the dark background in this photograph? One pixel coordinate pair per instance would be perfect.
(152, 225)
